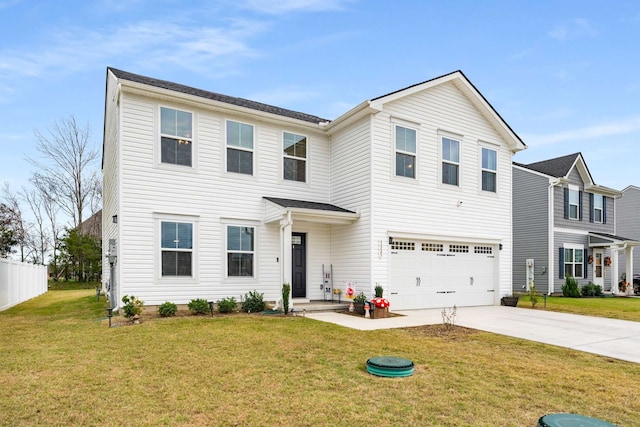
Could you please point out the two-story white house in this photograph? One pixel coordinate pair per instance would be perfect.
(211, 196)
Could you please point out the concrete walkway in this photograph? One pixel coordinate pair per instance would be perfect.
(618, 339)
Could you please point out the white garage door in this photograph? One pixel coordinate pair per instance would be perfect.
(425, 274)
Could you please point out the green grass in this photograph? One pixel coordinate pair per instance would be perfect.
(67, 285)
(613, 307)
(61, 365)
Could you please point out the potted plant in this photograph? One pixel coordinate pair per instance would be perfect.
(380, 308)
(358, 303)
(378, 291)
(509, 300)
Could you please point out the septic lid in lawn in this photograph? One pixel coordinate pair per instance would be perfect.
(571, 420)
(388, 366)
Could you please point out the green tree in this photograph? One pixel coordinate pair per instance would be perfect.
(7, 236)
(80, 256)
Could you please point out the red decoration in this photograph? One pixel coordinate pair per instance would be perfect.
(380, 302)
(607, 261)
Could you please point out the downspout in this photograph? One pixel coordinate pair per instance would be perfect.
(550, 237)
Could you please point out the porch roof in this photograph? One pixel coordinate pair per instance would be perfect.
(604, 239)
(303, 210)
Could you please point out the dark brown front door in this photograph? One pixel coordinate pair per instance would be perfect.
(299, 265)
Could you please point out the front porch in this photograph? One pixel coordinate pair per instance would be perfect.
(617, 245)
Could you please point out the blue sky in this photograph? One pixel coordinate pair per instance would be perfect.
(563, 74)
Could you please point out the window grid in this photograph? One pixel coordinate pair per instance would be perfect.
(176, 136)
(574, 203)
(240, 251)
(489, 170)
(573, 262)
(459, 248)
(294, 157)
(597, 207)
(450, 161)
(403, 246)
(483, 250)
(176, 243)
(405, 147)
(433, 247)
(239, 147)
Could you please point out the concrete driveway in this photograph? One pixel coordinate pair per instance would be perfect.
(618, 339)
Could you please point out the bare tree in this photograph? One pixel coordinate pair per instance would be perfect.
(40, 237)
(65, 172)
(20, 226)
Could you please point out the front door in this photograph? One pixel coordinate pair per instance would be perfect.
(598, 270)
(299, 265)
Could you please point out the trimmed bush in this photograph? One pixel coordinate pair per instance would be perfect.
(253, 302)
(591, 290)
(132, 306)
(199, 306)
(227, 305)
(570, 288)
(167, 309)
(286, 290)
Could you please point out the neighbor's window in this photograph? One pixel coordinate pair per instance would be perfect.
(598, 202)
(176, 136)
(574, 203)
(177, 248)
(405, 152)
(240, 251)
(450, 161)
(295, 157)
(489, 168)
(573, 262)
(239, 147)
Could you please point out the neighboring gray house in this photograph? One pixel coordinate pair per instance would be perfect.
(564, 224)
(628, 222)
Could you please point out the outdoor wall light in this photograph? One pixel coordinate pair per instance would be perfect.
(390, 240)
(114, 219)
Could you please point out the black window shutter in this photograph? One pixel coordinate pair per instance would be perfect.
(566, 203)
(561, 269)
(585, 257)
(591, 207)
(604, 209)
(580, 205)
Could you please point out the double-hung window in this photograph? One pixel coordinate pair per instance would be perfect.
(573, 262)
(239, 147)
(489, 169)
(574, 203)
(176, 136)
(598, 207)
(177, 248)
(405, 152)
(295, 157)
(240, 251)
(450, 161)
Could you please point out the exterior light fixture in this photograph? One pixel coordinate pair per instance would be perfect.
(114, 219)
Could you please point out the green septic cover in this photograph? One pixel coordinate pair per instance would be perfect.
(571, 420)
(387, 366)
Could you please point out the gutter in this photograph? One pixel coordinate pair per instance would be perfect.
(550, 238)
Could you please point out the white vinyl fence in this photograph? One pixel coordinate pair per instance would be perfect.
(20, 282)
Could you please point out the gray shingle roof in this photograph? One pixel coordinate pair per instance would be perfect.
(558, 167)
(163, 84)
(302, 204)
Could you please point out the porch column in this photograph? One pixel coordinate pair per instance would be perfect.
(615, 253)
(629, 264)
(285, 238)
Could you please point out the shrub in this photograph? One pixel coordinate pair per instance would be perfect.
(167, 309)
(286, 290)
(533, 295)
(199, 306)
(227, 305)
(132, 306)
(591, 290)
(378, 290)
(253, 302)
(570, 288)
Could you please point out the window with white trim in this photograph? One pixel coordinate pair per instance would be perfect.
(177, 248)
(240, 251)
(405, 151)
(295, 157)
(574, 202)
(598, 203)
(176, 136)
(450, 161)
(239, 147)
(489, 169)
(573, 261)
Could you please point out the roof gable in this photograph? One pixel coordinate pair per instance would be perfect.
(462, 83)
(214, 96)
(558, 167)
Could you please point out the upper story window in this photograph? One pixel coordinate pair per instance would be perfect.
(450, 161)
(572, 203)
(177, 248)
(598, 208)
(240, 251)
(295, 157)
(176, 136)
(405, 152)
(489, 169)
(239, 147)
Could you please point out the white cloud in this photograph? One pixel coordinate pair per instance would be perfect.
(276, 7)
(599, 131)
(577, 28)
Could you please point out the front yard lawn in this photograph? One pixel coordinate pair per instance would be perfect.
(623, 308)
(61, 365)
